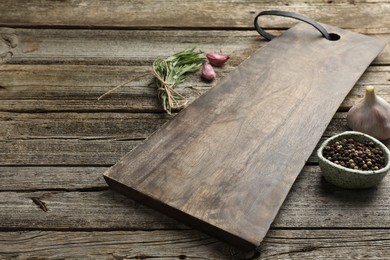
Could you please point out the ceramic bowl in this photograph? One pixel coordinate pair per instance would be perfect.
(349, 178)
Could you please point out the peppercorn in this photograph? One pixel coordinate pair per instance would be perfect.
(355, 155)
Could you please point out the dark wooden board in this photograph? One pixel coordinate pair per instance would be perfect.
(226, 163)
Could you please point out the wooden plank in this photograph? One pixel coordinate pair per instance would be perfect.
(358, 93)
(312, 203)
(121, 47)
(187, 14)
(78, 210)
(46, 88)
(190, 244)
(315, 200)
(26, 127)
(67, 151)
(54, 139)
(129, 103)
(72, 152)
(376, 75)
(49, 94)
(64, 152)
(326, 244)
(80, 126)
(91, 81)
(24, 134)
(112, 245)
(100, 126)
(70, 81)
(52, 178)
(226, 163)
(337, 125)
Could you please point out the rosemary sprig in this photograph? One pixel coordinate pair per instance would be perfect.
(171, 71)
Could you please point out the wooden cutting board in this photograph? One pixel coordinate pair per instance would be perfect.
(226, 163)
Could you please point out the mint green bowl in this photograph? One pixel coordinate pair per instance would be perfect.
(349, 178)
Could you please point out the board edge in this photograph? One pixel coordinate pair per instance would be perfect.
(179, 215)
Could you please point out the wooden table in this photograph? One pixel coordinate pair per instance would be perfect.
(57, 139)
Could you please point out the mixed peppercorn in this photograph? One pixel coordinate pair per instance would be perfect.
(355, 155)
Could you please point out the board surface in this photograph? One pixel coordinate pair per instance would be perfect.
(226, 163)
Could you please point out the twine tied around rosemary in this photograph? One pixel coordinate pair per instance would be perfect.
(168, 74)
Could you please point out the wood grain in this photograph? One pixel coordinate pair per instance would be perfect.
(119, 47)
(57, 140)
(311, 204)
(131, 47)
(24, 178)
(80, 126)
(229, 173)
(113, 245)
(327, 244)
(74, 137)
(64, 152)
(73, 152)
(79, 211)
(190, 244)
(75, 88)
(97, 126)
(187, 14)
(100, 126)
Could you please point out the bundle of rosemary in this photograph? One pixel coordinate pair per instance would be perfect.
(171, 71)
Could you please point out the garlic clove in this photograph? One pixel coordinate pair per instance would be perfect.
(217, 60)
(208, 72)
(371, 115)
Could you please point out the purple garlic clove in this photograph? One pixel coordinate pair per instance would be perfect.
(208, 72)
(217, 60)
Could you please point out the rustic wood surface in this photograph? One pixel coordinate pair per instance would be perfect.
(56, 139)
(191, 244)
(226, 163)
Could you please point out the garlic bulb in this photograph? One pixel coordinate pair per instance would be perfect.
(371, 115)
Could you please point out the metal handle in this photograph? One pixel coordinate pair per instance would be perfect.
(302, 18)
